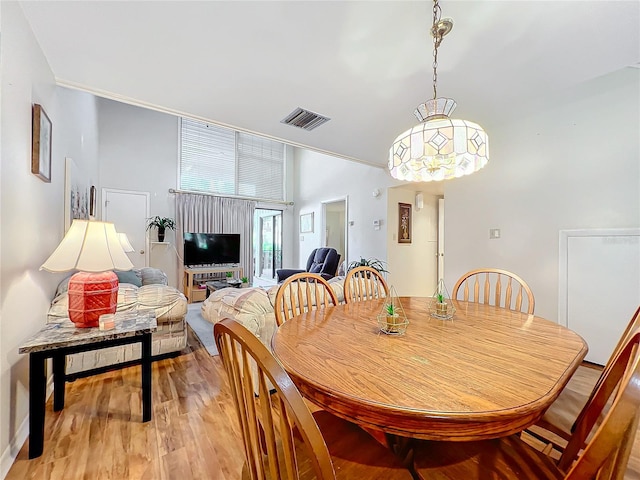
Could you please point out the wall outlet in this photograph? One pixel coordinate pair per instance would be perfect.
(494, 233)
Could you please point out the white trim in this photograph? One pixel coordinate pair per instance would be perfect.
(563, 260)
(11, 452)
(323, 225)
(17, 442)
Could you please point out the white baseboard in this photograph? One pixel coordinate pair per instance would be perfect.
(11, 452)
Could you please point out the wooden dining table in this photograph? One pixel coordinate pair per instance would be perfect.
(488, 372)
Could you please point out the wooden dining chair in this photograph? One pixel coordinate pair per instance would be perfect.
(495, 287)
(561, 418)
(282, 438)
(364, 283)
(301, 293)
(604, 456)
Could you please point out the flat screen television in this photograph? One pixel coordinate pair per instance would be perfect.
(211, 248)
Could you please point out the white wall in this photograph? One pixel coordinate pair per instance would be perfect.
(32, 211)
(139, 152)
(321, 178)
(573, 164)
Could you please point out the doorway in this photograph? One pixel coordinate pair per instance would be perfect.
(334, 226)
(128, 211)
(267, 243)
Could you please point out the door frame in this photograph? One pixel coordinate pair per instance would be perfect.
(323, 225)
(258, 265)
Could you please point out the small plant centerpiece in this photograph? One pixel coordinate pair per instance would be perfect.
(229, 274)
(392, 319)
(245, 281)
(162, 224)
(441, 306)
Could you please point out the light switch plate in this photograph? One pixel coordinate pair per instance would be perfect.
(494, 233)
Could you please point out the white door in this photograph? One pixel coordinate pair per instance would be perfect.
(599, 285)
(440, 253)
(334, 224)
(128, 211)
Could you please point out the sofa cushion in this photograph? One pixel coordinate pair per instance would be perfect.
(169, 304)
(151, 276)
(129, 276)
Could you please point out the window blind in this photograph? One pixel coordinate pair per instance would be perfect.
(215, 159)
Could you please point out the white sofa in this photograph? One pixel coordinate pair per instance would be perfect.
(148, 290)
(253, 307)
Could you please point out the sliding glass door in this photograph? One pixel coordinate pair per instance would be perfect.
(267, 244)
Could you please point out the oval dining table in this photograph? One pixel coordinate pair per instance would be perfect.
(488, 372)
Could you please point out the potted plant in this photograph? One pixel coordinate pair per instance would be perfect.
(368, 262)
(245, 281)
(392, 318)
(441, 305)
(161, 223)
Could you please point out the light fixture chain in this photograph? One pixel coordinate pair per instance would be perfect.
(437, 38)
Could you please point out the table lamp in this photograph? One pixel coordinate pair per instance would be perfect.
(124, 242)
(94, 249)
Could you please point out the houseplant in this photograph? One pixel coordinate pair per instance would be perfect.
(441, 305)
(368, 262)
(392, 318)
(161, 223)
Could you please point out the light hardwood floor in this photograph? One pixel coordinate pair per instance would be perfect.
(193, 433)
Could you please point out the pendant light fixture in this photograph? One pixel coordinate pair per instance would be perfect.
(438, 148)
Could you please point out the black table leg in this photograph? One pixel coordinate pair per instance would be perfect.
(59, 380)
(146, 377)
(37, 386)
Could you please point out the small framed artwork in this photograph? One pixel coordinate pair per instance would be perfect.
(306, 223)
(404, 223)
(41, 144)
(76, 194)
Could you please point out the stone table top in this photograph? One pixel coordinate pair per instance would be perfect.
(62, 332)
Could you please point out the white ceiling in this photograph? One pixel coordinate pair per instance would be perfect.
(366, 65)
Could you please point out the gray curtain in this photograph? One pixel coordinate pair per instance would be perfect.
(210, 214)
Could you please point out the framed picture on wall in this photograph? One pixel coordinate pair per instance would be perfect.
(76, 194)
(306, 223)
(41, 144)
(404, 223)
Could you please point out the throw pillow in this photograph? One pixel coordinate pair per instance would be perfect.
(152, 276)
(129, 277)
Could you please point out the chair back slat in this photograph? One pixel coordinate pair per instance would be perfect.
(509, 295)
(277, 427)
(301, 293)
(364, 283)
(633, 324)
(498, 294)
(624, 369)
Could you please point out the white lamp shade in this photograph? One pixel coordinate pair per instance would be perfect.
(124, 242)
(89, 246)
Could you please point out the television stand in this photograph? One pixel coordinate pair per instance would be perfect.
(192, 290)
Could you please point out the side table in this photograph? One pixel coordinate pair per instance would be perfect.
(60, 338)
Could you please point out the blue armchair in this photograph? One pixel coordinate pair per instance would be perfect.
(323, 261)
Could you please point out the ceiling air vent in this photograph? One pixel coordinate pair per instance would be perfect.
(302, 118)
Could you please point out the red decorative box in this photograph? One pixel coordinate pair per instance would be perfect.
(91, 295)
